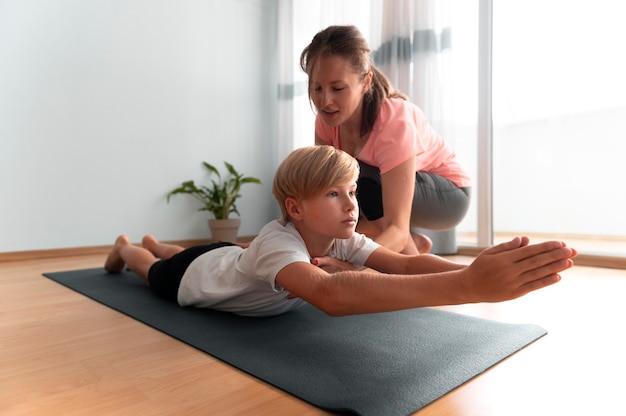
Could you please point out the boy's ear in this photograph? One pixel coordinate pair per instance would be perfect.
(293, 208)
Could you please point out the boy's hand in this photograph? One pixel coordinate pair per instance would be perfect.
(515, 268)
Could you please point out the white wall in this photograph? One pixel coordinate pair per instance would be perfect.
(106, 105)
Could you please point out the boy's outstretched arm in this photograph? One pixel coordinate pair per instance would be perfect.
(503, 272)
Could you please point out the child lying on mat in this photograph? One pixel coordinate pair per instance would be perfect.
(308, 256)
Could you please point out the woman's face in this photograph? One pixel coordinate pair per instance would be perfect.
(337, 91)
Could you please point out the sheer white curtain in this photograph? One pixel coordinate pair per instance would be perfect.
(287, 85)
(412, 46)
(298, 22)
(410, 40)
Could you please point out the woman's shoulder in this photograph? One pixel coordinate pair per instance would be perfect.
(397, 111)
(396, 107)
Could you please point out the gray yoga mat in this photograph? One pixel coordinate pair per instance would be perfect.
(378, 364)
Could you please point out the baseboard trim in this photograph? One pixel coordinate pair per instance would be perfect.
(589, 260)
(86, 251)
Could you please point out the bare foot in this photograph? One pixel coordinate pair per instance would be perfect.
(148, 242)
(422, 242)
(114, 262)
(158, 249)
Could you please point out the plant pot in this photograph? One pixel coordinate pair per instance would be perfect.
(224, 230)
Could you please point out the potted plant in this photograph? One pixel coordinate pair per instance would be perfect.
(219, 198)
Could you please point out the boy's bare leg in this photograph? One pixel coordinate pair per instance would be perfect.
(138, 259)
(160, 250)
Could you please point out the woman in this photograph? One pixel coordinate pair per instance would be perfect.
(409, 176)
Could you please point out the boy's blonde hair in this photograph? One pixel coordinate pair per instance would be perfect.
(309, 170)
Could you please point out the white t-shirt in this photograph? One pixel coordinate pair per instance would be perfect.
(242, 281)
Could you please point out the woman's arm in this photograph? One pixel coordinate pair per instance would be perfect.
(503, 272)
(388, 261)
(398, 187)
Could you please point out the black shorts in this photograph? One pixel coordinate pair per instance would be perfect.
(165, 275)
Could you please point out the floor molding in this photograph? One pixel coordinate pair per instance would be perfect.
(86, 251)
(590, 260)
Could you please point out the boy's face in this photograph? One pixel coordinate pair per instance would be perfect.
(332, 214)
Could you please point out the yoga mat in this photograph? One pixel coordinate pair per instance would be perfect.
(389, 364)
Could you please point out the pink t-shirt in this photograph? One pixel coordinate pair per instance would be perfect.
(400, 131)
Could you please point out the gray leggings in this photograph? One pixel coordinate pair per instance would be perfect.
(438, 204)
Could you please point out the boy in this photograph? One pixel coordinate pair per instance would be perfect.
(286, 264)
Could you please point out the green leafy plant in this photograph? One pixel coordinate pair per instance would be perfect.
(220, 197)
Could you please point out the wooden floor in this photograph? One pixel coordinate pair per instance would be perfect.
(64, 354)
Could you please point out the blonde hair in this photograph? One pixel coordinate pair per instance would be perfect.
(309, 170)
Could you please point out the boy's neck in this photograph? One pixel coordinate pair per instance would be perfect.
(315, 245)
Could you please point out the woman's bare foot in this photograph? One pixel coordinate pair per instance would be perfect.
(114, 262)
(422, 242)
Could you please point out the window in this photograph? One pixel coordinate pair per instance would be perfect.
(559, 124)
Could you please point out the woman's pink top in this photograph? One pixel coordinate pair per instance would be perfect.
(401, 131)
